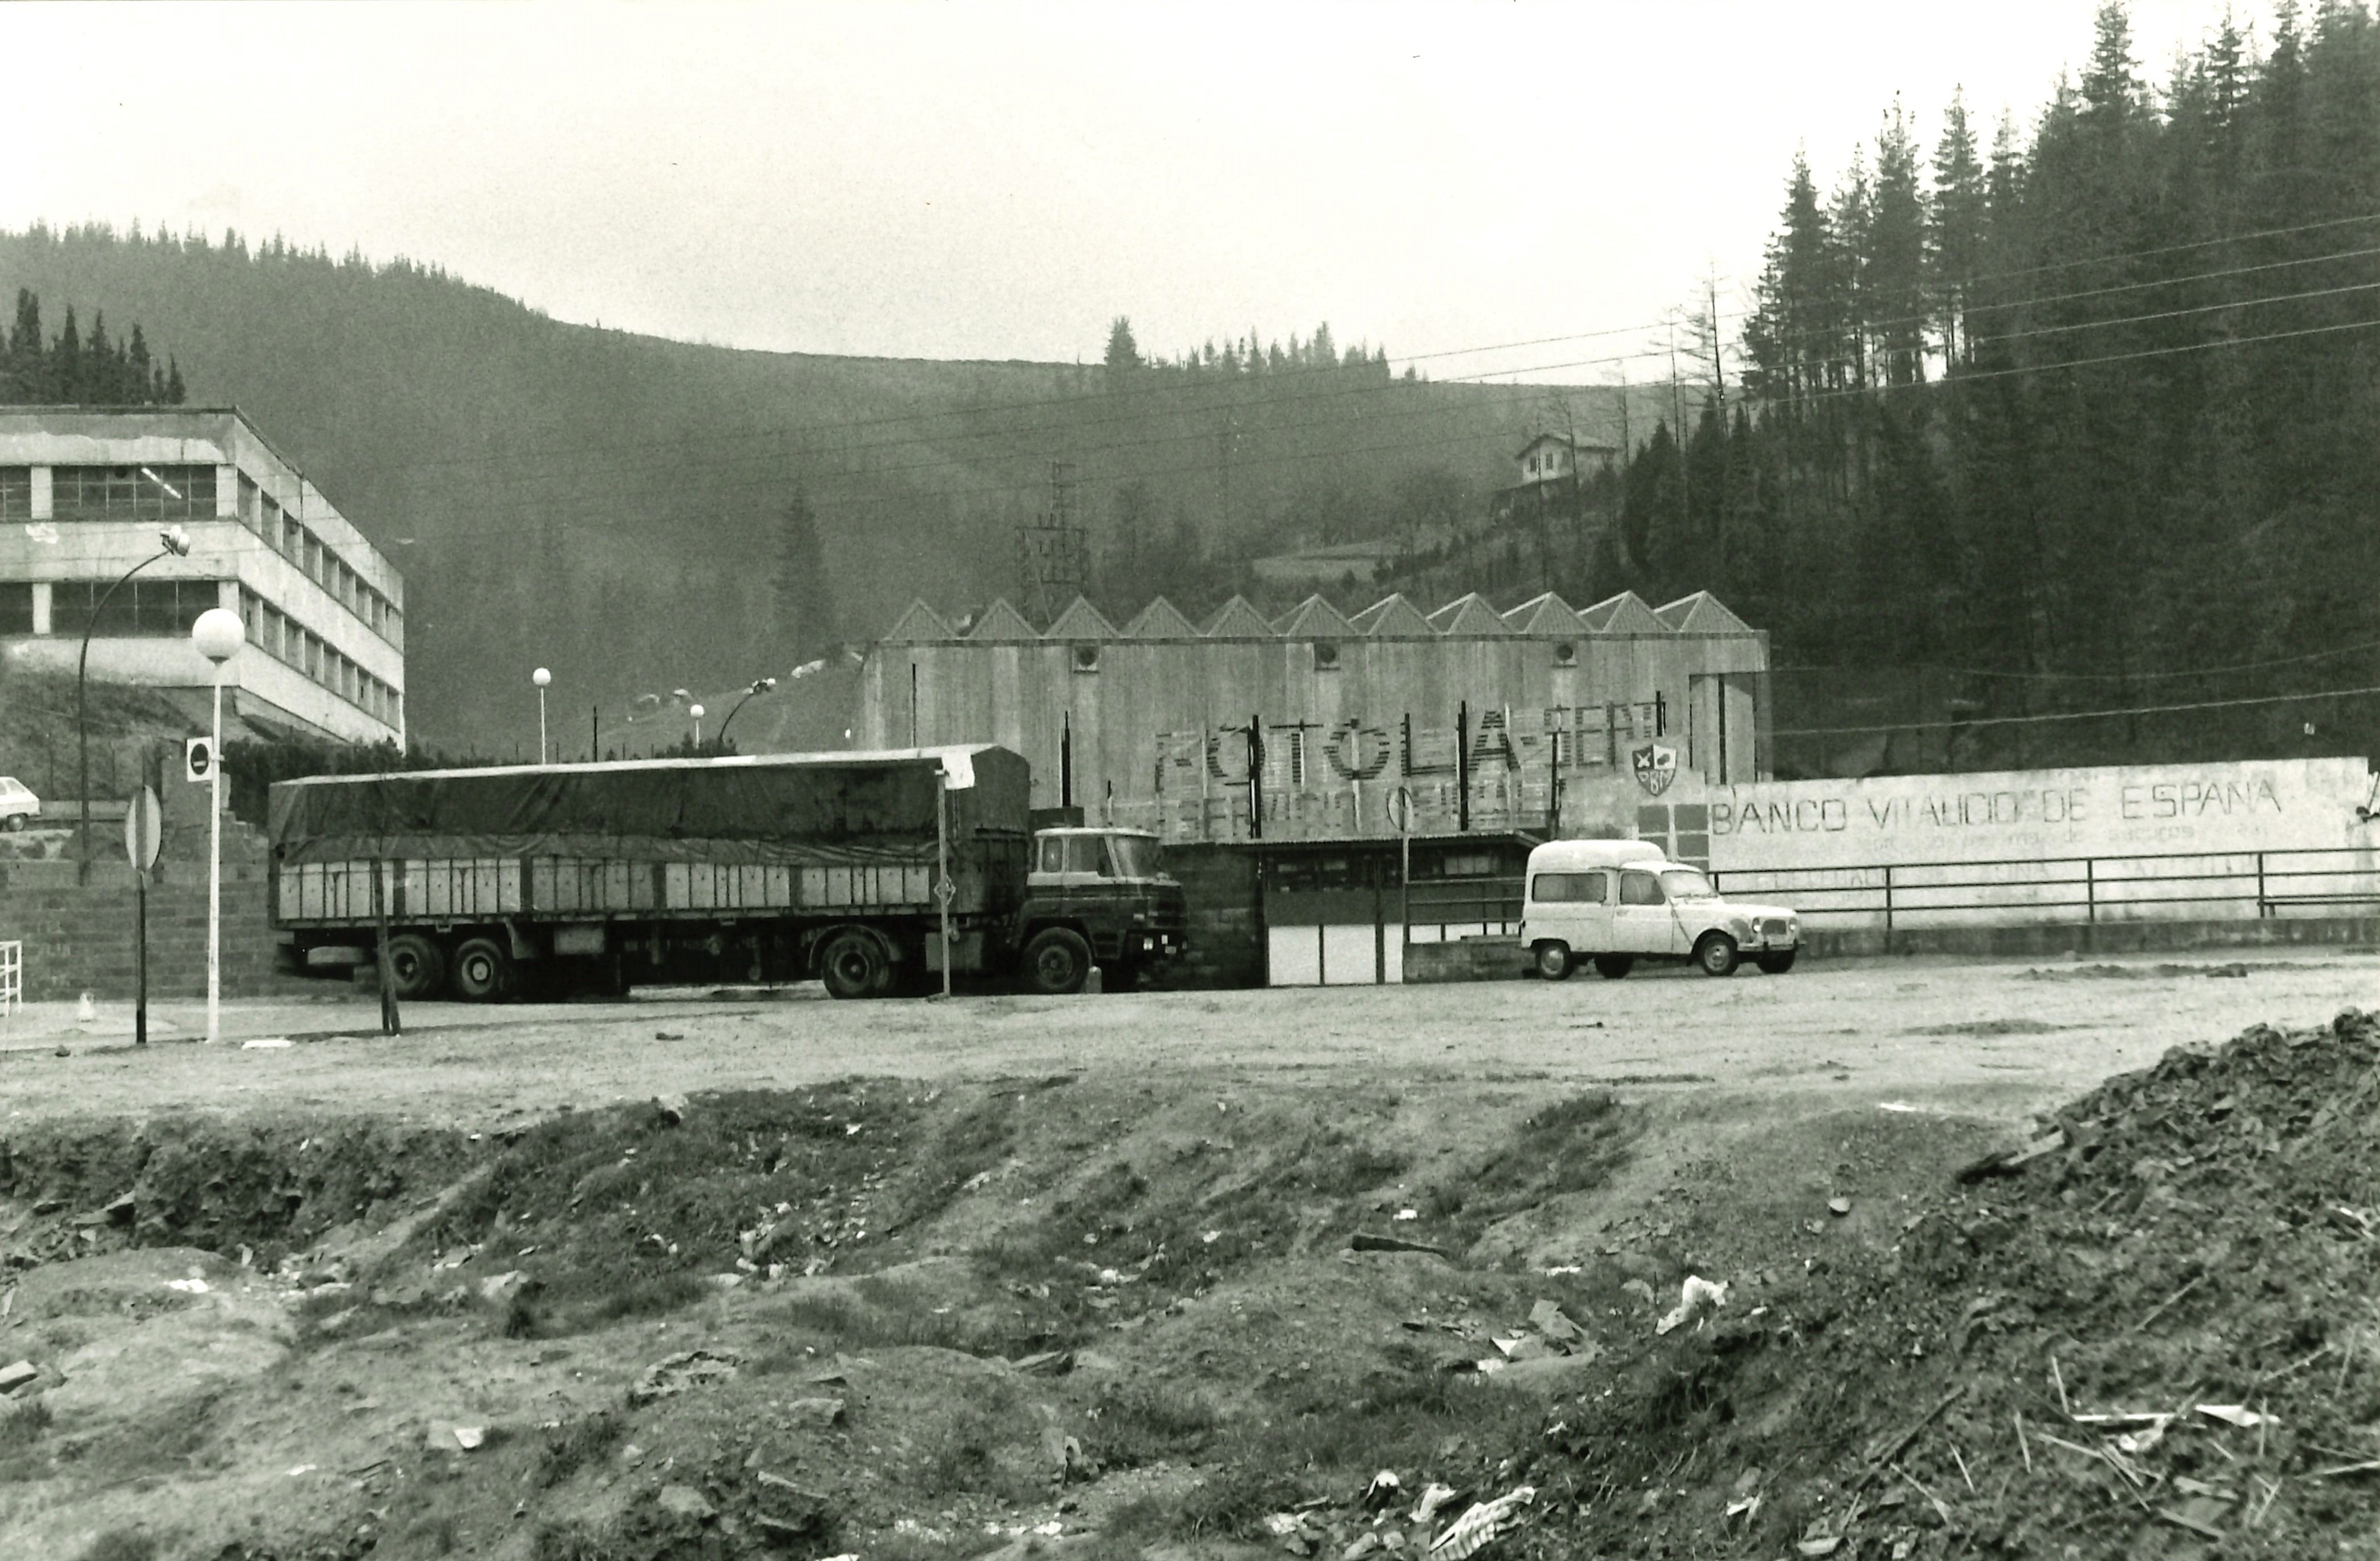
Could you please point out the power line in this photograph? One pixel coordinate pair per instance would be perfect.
(1199, 383)
(1957, 378)
(2117, 677)
(2084, 715)
(2178, 313)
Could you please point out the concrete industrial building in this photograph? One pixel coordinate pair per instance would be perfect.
(1319, 726)
(84, 492)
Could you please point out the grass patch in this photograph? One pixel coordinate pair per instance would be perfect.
(627, 1211)
(575, 1444)
(1132, 1427)
(120, 1544)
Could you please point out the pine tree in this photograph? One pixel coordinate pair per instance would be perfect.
(1123, 354)
(1955, 221)
(138, 372)
(805, 599)
(174, 395)
(1892, 260)
(98, 388)
(66, 360)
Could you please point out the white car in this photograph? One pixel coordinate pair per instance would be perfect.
(18, 803)
(1617, 901)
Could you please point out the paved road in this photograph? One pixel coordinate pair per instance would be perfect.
(1998, 1036)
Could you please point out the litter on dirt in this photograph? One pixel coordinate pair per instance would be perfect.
(1697, 1299)
(1470, 1534)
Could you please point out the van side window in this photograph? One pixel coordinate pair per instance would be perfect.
(1578, 889)
(1640, 889)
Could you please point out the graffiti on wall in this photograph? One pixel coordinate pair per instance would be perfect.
(1503, 768)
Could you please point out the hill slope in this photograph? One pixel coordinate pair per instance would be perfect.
(611, 505)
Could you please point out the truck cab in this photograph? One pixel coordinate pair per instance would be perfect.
(1097, 896)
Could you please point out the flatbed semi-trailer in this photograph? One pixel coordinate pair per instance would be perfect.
(579, 877)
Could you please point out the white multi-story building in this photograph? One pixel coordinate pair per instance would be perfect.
(84, 493)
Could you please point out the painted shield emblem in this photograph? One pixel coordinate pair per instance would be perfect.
(1655, 767)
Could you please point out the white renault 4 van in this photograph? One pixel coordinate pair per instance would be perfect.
(1617, 901)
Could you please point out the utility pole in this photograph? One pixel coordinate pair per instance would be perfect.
(1052, 554)
(1678, 431)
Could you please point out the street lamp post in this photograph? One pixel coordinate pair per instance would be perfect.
(218, 635)
(760, 685)
(697, 713)
(173, 543)
(540, 677)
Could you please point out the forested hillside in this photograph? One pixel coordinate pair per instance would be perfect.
(2050, 418)
(626, 510)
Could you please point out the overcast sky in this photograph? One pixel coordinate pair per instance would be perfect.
(998, 180)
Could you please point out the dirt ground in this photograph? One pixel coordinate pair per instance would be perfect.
(1997, 1037)
(751, 1274)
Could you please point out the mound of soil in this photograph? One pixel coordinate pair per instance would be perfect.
(2019, 1368)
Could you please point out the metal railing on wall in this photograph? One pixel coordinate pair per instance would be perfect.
(2079, 889)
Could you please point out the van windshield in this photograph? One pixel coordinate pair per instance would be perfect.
(1685, 883)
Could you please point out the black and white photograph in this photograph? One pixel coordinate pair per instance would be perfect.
(1038, 781)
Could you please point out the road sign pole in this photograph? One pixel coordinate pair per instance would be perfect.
(143, 829)
(140, 959)
(215, 873)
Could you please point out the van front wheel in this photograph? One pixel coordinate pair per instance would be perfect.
(1553, 961)
(1715, 955)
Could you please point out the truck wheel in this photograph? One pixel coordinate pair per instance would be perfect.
(853, 966)
(1057, 961)
(1776, 965)
(1715, 955)
(416, 967)
(1611, 967)
(1552, 961)
(483, 971)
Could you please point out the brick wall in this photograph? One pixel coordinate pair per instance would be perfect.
(79, 937)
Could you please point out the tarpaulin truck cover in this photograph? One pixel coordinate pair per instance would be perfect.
(796, 809)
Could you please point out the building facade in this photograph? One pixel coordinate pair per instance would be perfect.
(1320, 726)
(84, 493)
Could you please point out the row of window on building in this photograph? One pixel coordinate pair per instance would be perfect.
(262, 513)
(280, 636)
(168, 608)
(160, 494)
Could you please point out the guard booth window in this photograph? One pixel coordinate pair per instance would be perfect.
(16, 493)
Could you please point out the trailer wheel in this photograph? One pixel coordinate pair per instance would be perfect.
(1057, 961)
(853, 966)
(416, 967)
(1612, 967)
(484, 970)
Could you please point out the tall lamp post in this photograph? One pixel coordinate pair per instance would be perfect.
(173, 543)
(540, 677)
(761, 686)
(218, 635)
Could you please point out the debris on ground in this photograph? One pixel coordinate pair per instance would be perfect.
(2144, 1333)
(687, 1368)
(1480, 1525)
(1697, 1299)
